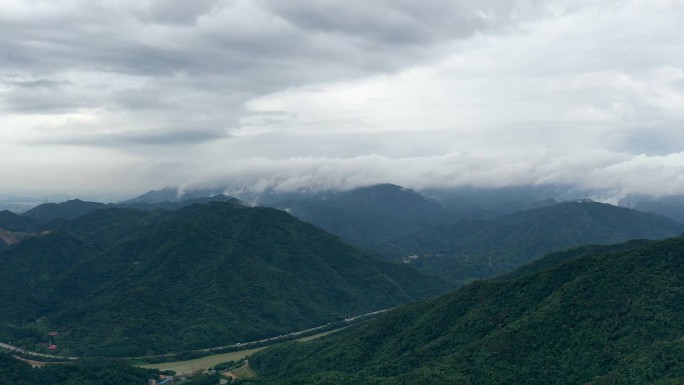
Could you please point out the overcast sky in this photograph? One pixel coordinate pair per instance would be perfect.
(120, 96)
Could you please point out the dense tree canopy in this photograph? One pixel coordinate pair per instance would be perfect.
(613, 317)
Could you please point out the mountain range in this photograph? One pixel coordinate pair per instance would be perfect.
(431, 234)
(125, 282)
(470, 243)
(46, 213)
(169, 272)
(479, 249)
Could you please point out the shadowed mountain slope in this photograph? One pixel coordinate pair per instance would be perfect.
(13, 222)
(480, 249)
(372, 215)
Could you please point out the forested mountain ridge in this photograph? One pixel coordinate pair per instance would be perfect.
(49, 212)
(14, 228)
(404, 225)
(597, 319)
(48, 215)
(479, 249)
(369, 216)
(127, 282)
(13, 222)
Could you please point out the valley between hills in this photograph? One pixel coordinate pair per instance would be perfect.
(536, 292)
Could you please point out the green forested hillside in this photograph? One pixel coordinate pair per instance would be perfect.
(13, 222)
(555, 259)
(127, 282)
(480, 249)
(83, 372)
(597, 319)
(13, 228)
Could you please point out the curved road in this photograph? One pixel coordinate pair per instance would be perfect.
(237, 345)
(12, 348)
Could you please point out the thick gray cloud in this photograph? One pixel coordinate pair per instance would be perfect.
(383, 23)
(152, 137)
(328, 94)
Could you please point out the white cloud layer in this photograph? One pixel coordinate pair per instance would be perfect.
(124, 96)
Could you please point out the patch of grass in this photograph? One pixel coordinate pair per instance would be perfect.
(244, 372)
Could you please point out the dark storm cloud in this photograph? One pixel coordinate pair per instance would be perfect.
(204, 59)
(235, 38)
(246, 47)
(165, 136)
(393, 22)
(38, 83)
(178, 12)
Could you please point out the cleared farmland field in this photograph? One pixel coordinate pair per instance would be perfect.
(204, 363)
